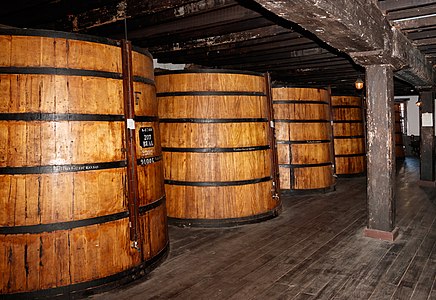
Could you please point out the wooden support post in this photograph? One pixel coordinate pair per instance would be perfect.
(129, 116)
(427, 138)
(381, 152)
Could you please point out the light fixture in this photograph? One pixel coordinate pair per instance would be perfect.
(358, 83)
(418, 103)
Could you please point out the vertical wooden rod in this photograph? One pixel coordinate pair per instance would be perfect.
(272, 139)
(331, 134)
(129, 115)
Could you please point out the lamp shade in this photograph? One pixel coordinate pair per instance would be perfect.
(358, 84)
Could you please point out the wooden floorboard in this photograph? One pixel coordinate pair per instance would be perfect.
(315, 262)
(314, 250)
(426, 280)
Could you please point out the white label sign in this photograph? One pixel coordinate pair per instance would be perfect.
(427, 120)
(130, 124)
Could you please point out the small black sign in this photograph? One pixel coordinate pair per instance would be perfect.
(148, 160)
(146, 137)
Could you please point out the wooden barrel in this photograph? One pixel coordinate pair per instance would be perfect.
(399, 145)
(216, 143)
(304, 138)
(348, 135)
(64, 220)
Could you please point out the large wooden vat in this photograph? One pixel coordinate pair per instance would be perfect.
(399, 145)
(348, 135)
(304, 138)
(64, 220)
(216, 143)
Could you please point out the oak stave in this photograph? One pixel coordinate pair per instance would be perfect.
(304, 141)
(349, 136)
(63, 214)
(215, 139)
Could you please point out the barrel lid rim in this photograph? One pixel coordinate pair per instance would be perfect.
(68, 35)
(222, 71)
(348, 96)
(296, 86)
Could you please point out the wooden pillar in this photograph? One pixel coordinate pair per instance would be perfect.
(381, 152)
(427, 137)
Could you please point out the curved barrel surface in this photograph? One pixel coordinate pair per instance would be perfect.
(349, 135)
(304, 138)
(216, 145)
(64, 222)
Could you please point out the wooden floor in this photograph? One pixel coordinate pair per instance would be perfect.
(314, 250)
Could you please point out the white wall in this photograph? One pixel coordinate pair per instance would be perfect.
(413, 115)
(167, 66)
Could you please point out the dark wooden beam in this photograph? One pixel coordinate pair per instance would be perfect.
(307, 52)
(170, 28)
(426, 112)
(231, 51)
(412, 23)
(119, 10)
(259, 35)
(332, 21)
(417, 71)
(429, 41)
(429, 49)
(421, 34)
(389, 5)
(312, 67)
(6, 27)
(271, 62)
(380, 151)
(175, 38)
(114, 12)
(44, 14)
(203, 25)
(212, 29)
(11, 7)
(410, 13)
(325, 75)
(359, 29)
(271, 44)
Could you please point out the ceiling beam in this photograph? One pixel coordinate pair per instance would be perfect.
(225, 39)
(388, 5)
(2, 26)
(423, 42)
(239, 51)
(417, 71)
(415, 12)
(44, 14)
(415, 22)
(285, 60)
(129, 9)
(220, 16)
(359, 29)
(422, 34)
(341, 23)
(11, 7)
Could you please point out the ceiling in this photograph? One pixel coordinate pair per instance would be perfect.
(231, 34)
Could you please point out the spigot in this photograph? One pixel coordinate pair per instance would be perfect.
(135, 245)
